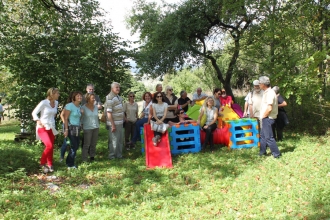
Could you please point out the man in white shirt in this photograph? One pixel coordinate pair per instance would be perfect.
(255, 100)
(268, 114)
(199, 96)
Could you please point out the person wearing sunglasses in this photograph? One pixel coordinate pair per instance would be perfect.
(46, 129)
(181, 118)
(211, 118)
(131, 109)
(159, 108)
(172, 102)
(225, 100)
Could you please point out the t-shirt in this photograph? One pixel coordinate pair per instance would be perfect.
(226, 100)
(159, 109)
(114, 104)
(182, 101)
(255, 101)
(146, 108)
(75, 114)
(280, 100)
(216, 102)
(209, 114)
(269, 98)
(196, 96)
(90, 119)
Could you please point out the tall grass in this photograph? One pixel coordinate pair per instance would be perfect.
(224, 184)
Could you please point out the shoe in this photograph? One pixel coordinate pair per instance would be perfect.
(44, 169)
(154, 140)
(73, 167)
(50, 169)
(61, 160)
(262, 154)
(127, 148)
(158, 138)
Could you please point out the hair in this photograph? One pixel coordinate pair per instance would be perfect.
(74, 95)
(144, 95)
(276, 89)
(216, 90)
(131, 93)
(182, 92)
(0, 100)
(199, 88)
(88, 96)
(207, 99)
(90, 84)
(264, 80)
(114, 84)
(168, 88)
(177, 111)
(51, 92)
(69, 98)
(223, 89)
(159, 84)
(154, 100)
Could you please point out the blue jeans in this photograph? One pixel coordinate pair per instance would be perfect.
(63, 148)
(267, 138)
(138, 124)
(73, 150)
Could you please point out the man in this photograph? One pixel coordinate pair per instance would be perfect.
(199, 96)
(90, 89)
(184, 101)
(255, 98)
(115, 119)
(268, 114)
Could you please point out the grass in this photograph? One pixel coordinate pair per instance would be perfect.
(225, 184)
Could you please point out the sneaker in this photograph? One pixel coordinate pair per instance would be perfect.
(44, 169)
(50, 169)
(73, 167)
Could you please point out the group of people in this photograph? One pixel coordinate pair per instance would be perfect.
(161, 109)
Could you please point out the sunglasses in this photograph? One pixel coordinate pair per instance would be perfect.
(159, 96)
(181, 113)
(132, 96)
(170, 90)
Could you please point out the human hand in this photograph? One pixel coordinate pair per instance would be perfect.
(113, 128)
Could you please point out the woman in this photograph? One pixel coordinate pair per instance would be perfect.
(90, 123)
(216, 97)
(172, 102)
(131, 114)
(72, 114)
(65, 140)
(159, 108)
(143, 118)
(46, 127)
(282, 119)
(181, 118)
(225, 100)
(211, 118)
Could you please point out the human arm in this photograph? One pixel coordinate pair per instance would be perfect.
(251, 110)
(215, 118)
(35, 113)
(66, 115)
(200, 115)
(267, 111)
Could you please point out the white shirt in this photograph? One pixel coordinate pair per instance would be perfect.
(196, 96)
(269, 98)
(47, 115)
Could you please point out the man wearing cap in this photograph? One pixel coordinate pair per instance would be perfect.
(268, 114)
(254, 100)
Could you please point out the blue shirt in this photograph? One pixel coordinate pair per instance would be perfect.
(90, 119)
(75, 114)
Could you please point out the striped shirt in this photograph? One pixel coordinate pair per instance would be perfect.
(114, 105)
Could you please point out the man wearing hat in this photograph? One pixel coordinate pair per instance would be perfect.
(268, 114)
(255, 100)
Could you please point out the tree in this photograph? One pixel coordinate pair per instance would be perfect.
(41, 49)
(190, 34)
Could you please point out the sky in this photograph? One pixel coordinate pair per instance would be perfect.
(117, 10)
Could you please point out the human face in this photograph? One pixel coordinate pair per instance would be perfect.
(131, 97)
(169, 91)
(159, 88)
(78, 98)
(159, 97)
(217, 94)
(181, 114)
(184, 95)
(210, 102)
(256, 88)
(147, 98)
(116, 89)
(91, 99)
(262, 86)
(90, 89)
(199, 91)
(56, 95)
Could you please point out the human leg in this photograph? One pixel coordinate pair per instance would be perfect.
(87, 143)
(138, 125)
(74, 140)
(63, 149)
(263, 144)
(47, 137)
(268, 134)
(92, 148)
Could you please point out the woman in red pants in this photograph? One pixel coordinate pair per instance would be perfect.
(46, 127)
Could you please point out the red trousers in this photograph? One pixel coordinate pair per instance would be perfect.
(48, 138)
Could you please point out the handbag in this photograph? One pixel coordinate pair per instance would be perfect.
(74, 130)
(162, 128)
(103, 117)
